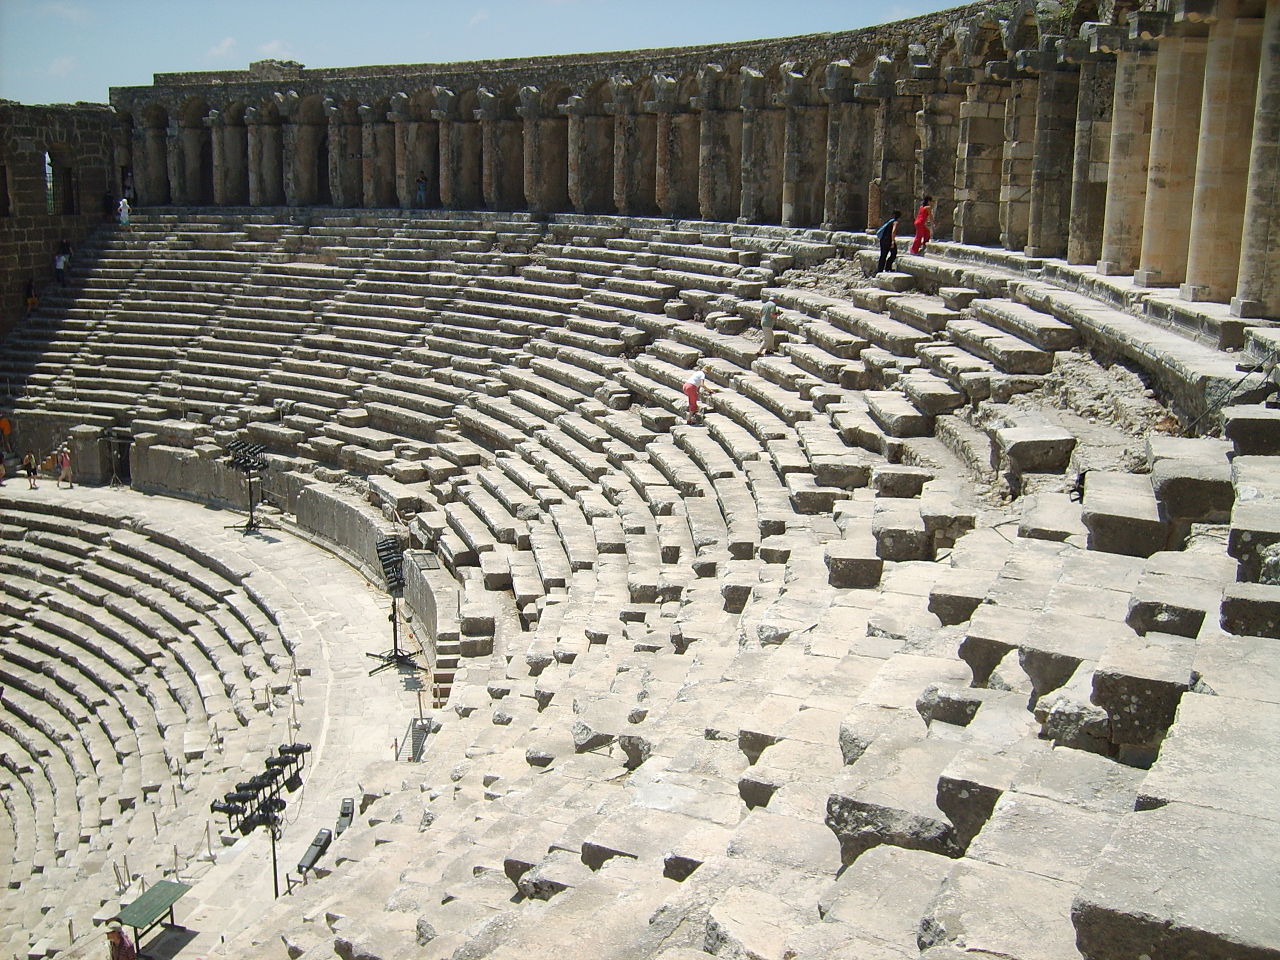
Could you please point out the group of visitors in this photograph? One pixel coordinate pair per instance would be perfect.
(887, 234)
(30, 465)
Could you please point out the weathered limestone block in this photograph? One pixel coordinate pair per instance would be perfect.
(890, 796)
(1123, 515)
(1217, 895)
(900, 531)
(853, 563)
(1140, 686)
(899, 480)
(1001, 911)
(1251, 609)
(1194, 490)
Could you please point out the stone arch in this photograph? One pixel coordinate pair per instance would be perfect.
(191, 164)
(345, 151)
(461, 160)
(590, 148)
(418, 143)
(231, 154)
(804, 157)
(719, 170)
(1022, 30)
(546, 147)
(307, 139)
(763, 144)
(265, 146)
(151, 178)
(634, 146)
(61, 180)
(377, 154)
(501, 147)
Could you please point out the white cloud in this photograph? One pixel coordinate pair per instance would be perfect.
(61, 66)
(277, 49)
(71, 12)
(223, 48)
(477, 18)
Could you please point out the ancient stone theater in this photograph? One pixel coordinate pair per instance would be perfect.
(538, 509)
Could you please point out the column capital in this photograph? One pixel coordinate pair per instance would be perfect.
(214, 119)
(530, 107)
(490, 106)
(1194, 11)
(369, 114)
(919, 66)
(622, 95)
(710, 95)
(795, 90)
(287, 103)
(754, 89)
(446, 104)
(400, 109)
(1148, 24)
(879, 86)
(666, 96)
(840, 83)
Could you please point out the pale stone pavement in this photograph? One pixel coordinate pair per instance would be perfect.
(335, 617)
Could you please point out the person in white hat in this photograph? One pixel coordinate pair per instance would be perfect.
(121, 946)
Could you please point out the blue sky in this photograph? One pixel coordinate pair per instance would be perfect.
(61, 51)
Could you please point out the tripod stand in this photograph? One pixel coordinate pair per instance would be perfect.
(248, 459)
(395, 657)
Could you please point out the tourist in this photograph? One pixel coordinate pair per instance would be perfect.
(888, 236)
(768, 318)
(693, 388)
(33, 298)
(64, 468)
(128, 186)
(118, 942)
(60, 261)
(29, 466)
(923, 216)
(4, 471)
(422, 190)
(122, 208)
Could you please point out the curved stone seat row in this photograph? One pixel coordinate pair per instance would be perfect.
(737, 667)
(130, 662)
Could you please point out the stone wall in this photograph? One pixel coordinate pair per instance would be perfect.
(1030, 125)
(80, 141)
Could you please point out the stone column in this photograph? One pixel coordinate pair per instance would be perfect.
(1258, 287)
(292, 159)
(1222, 159)
(254, 124)
(1128, 157)
(345, 156)
(763, 135)
(981, 133)
(719, 147)
(849, 125)
(590, 156)
(937, 134)
(417, 151)
(1091, 149)
(675, 184)
(217, 126)
(460, 175)
(1049, 215)
(804, 151)
(179, 187)
(634, 152)
(1171, 166)
(153, 185)
(893, 158)
(377, 158)
(546, 153)
(502, 150)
